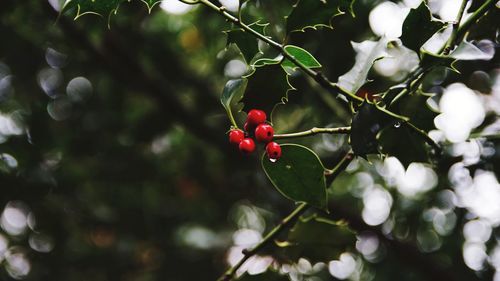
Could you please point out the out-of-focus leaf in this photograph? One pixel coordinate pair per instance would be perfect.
(300, 55)
(418, 27)
(267, 86)
(102, 8)
(298, 175)
(246, 42)
(366, 124)
(315, 13)
(468, 51)
(318, 239)
(232, 93)
(368, 52)
(403, 143)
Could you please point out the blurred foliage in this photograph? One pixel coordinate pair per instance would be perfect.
(114, 163)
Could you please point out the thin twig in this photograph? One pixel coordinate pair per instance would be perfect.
(462, 30)
(450, 43)
(316, 75)
(286, 222)
(314, 131)
(425, 136)
(247, 253)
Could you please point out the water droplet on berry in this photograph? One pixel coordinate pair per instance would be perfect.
(273, 160)
(397, 125)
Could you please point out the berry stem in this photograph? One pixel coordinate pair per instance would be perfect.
(231, 119)
(314, 131)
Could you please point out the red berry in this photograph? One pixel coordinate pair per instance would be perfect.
(236, 136)
(273, 150)
(264, 133)
(247, 145)
(256, 117)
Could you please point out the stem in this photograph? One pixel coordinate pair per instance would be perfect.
(460, 31)
(425, 136)
(316, 75)
(341, 166)
(450, 43)
(412, 85)
(314, 131)
(247, 253)
(231, 119)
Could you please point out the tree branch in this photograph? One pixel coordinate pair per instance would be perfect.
(286, 222)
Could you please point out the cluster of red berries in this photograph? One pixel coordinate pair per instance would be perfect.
(256, 125)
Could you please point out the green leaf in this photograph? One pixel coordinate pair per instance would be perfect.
(232, 93)
(468, 51)
(247, 43)
(267, 61)
(269, 275)
(298, 175)
(267, 86)
(416, 108)
(404, 144)
(316, 13)
(151, 3)
(300, 55)
(419, 26)
(429, 60)
(368, 52)
(365, 126)
(104, 8)
(318, 239)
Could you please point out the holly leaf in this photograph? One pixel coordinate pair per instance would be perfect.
(298, 175)
(417, 109)
(419, 26)
(232, 93)
(368, 52)
(246, 43)
(429, 60)
(302, 56)
(269, 275)
(316, 13)
(404, 144)
(151, 3)
(103, 8)
(318, 239)
(365, 126)
(468, 51)
(267, 86)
